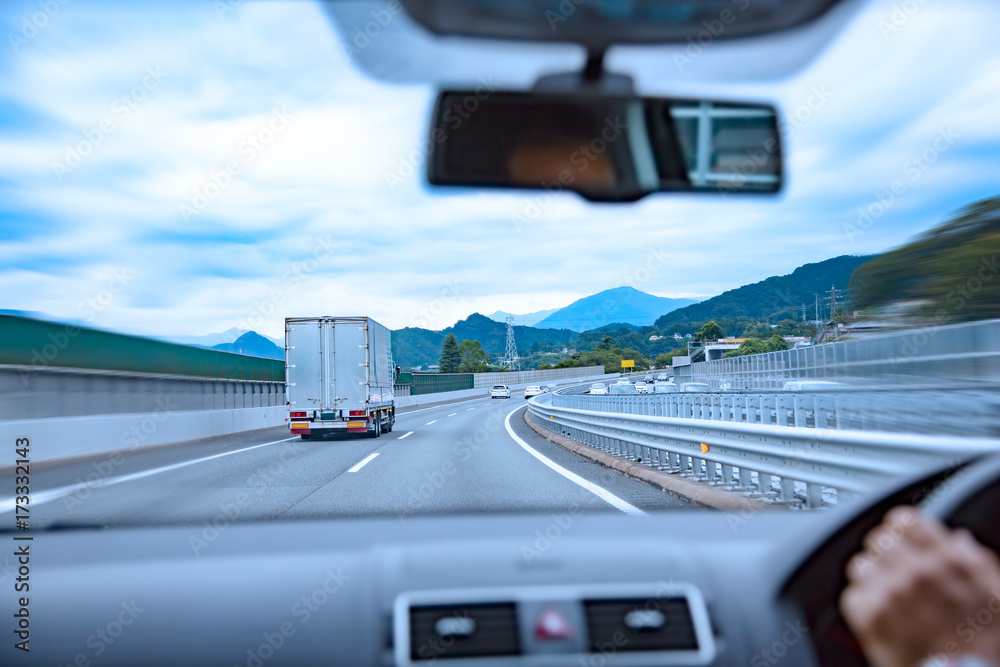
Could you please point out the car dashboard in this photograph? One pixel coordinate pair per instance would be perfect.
(679, 588)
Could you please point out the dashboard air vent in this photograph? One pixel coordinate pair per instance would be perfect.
(647, 624)
(440, 632)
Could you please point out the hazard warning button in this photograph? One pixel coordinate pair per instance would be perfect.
(552, 624)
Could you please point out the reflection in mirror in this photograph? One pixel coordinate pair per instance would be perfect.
(607, 148)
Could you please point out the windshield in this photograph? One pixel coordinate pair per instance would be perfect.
(227, 288)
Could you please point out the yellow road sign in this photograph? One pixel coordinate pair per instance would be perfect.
(628, 363)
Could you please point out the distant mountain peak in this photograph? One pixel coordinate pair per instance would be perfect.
(624, 304)
(253, 344)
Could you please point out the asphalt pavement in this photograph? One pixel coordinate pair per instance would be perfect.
(471, 456)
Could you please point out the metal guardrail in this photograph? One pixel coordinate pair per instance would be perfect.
(968, 352)
(799, 465)
(971, 411)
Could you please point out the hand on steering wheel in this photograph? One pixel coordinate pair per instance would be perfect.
(921, 591)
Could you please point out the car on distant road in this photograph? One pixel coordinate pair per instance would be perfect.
(500, 391)
(598, 389)
(661, 377)
(647, 378)
(619, 389)
(695, 388)
(533, 390)
(550, 387)
(665, 388)
(641, 388)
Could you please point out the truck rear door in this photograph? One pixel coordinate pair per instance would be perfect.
(304, 369)
(349, 348)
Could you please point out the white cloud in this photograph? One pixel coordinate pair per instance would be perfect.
(410, 255)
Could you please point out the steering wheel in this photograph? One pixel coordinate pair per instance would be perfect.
(812, 579)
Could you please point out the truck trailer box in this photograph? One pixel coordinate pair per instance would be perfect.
(338, 376)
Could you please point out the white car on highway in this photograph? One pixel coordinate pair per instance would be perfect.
(695, 388)
(533, 390)
(641, 388)
(665, 388)
(598, 389)
(500, 391)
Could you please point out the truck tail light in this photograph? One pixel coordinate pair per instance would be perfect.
(358, 413)
(299, 415)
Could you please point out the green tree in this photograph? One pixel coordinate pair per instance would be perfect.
(665, 359)
(758, 346)
(451, 357)
(776, 343)
(749, 346)
(757, 330)
(709, 331)
(473, 357)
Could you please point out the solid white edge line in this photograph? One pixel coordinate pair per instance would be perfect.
(363, 462)
(598, 491)
(405, 436)
(41, 497)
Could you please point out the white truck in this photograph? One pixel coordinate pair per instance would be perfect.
(338, 376)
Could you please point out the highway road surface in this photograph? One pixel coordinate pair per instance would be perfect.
(471, 456)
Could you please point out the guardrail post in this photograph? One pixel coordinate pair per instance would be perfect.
(727, 475)
(685, 466)
(786, 492)
(799, 413)
(745, 482)
(764, 486)
(672, 463)
(712, 473)
(781, 408)
(814, 496)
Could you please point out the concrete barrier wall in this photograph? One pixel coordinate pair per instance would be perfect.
(74, 437)
(43, 393)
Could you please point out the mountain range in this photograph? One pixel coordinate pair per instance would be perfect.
(619, 305)
(213, 339)
(775, 298)
(418, 347)
(254, 345)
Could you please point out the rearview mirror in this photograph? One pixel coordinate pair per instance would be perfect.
(604, 147)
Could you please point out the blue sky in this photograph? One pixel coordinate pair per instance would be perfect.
(149, 233)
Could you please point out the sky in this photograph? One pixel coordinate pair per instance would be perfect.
(184, 168)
